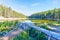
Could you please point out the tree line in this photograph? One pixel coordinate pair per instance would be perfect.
(47, 15)
(7, 12)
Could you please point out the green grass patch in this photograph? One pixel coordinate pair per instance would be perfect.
(7, 26)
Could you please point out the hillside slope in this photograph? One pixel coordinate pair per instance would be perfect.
(9, 13)
(47, 15)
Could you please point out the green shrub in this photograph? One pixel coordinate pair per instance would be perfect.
(36, 35)
(22, 36)
(44, 26)
(30, 34)
(8, 25)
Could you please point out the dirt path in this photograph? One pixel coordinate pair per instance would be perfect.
(11, 35)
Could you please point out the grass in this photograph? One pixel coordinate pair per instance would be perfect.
(44, 21)
(7, 26)
(30, 34)
(40, 21)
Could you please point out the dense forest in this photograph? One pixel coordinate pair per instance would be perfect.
(7, 12)
(47, 15)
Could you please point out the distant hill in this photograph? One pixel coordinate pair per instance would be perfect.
(9, 13)
(47, 15)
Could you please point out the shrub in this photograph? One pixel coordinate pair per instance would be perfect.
(22, 36)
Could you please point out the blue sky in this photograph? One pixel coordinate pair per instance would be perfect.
(29, 7)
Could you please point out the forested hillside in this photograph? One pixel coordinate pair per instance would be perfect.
(47, 15)
(9, 13)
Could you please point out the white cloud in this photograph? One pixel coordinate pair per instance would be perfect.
(35, 4)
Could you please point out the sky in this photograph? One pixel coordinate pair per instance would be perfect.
(28, 7)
